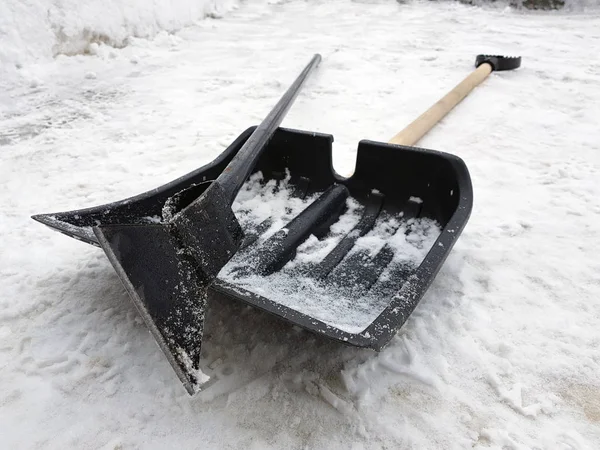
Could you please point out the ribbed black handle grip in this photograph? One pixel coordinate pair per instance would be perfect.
(499, 62)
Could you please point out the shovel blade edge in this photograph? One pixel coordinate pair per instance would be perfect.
(168, 291)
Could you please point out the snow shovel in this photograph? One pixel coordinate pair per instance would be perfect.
(347, 258)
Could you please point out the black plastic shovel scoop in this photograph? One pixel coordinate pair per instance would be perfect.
(348, 258)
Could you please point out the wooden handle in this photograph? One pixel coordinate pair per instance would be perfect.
(425, 122)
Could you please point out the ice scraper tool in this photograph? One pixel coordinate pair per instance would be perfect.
(348, 258)
(167, 263)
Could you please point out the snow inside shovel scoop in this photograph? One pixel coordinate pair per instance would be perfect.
(347, 258)
(356, 272)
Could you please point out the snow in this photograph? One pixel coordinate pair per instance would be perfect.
(40, 29)
(349, 308)
(502, 352)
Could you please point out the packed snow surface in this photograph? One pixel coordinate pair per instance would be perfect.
(501, 353)
(37, 30)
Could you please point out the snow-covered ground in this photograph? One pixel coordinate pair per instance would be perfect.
(504, 350)
(37, 30)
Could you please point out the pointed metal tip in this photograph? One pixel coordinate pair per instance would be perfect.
(42, 218)
(81, 233)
